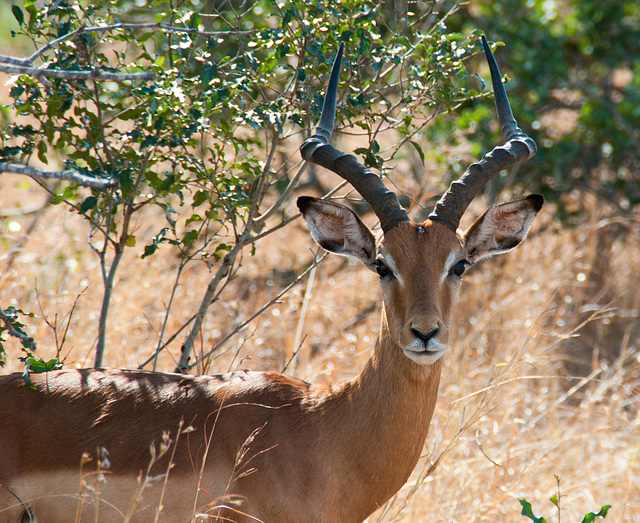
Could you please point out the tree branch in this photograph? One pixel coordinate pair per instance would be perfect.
(242, 239)
(68, 175)
(262, 309)
(26, 62)
(16, 333)
(69, 74)
(13, 65)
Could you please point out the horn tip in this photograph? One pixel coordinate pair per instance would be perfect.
(487, 48)
(339, 54)
(485, 43)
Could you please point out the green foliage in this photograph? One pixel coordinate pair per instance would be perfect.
(12, 325)
(555, 499)
(215, 134)
(230, 89)
(36, 365)
(182, 134)
(588, 518)
(528, 511)
(575, 87)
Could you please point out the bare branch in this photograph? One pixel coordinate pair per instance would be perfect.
(119, 246)
(68, 175)
(284, 197)
(288, 220)
(68, 74)
(260, 311)
(13, 65)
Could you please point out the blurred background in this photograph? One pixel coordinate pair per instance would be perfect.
(198, 260)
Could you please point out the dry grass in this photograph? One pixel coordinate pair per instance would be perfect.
(544, 379)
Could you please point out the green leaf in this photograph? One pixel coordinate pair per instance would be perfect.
(207, 73)
(221, 250)
(126, 181)
(39, 366)
(17, 12)
(419, 150)
(7, 152)
(88, 203)
(199, 198)
(32, 9)
(528, 512)
(193, 218)
(16, 91)
(554, 500)
(189, 237)
(149, 250)
(27, 378)
(602, 513)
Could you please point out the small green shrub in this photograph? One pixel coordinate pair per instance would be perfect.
(555, 499)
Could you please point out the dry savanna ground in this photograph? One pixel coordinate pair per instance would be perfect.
(543, 380)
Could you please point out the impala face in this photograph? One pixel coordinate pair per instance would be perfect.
(420, 265)
(420, 268)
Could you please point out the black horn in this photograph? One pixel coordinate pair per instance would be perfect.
(319, 151)
(519, 147)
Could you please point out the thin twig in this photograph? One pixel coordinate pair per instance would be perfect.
(243, 239)
(283, 197)
(294, 355)
(303, 312)
(119, 248)
(259, 311)
(166, 316)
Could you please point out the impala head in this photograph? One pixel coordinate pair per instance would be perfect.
(420, 264)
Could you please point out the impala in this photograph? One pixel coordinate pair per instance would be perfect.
(253, 446)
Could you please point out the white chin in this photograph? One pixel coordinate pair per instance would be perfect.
(425, 357)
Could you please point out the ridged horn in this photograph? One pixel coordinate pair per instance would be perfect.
(319, 151)
(518, 148)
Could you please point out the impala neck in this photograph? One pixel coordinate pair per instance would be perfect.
(387, 410)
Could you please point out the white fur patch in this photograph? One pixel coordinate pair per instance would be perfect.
(452, 259)
(389, 261)
(434, 351)
(499, 230)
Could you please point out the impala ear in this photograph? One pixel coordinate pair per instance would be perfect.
(338, 229)
(502, 227)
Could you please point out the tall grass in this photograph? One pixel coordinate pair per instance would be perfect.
(543, 380)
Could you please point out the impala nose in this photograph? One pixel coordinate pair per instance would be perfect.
(425, 337)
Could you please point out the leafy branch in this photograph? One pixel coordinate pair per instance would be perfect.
(590, 517)
(208, 137)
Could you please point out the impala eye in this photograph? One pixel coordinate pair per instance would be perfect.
(382, 268)
(459, 268)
